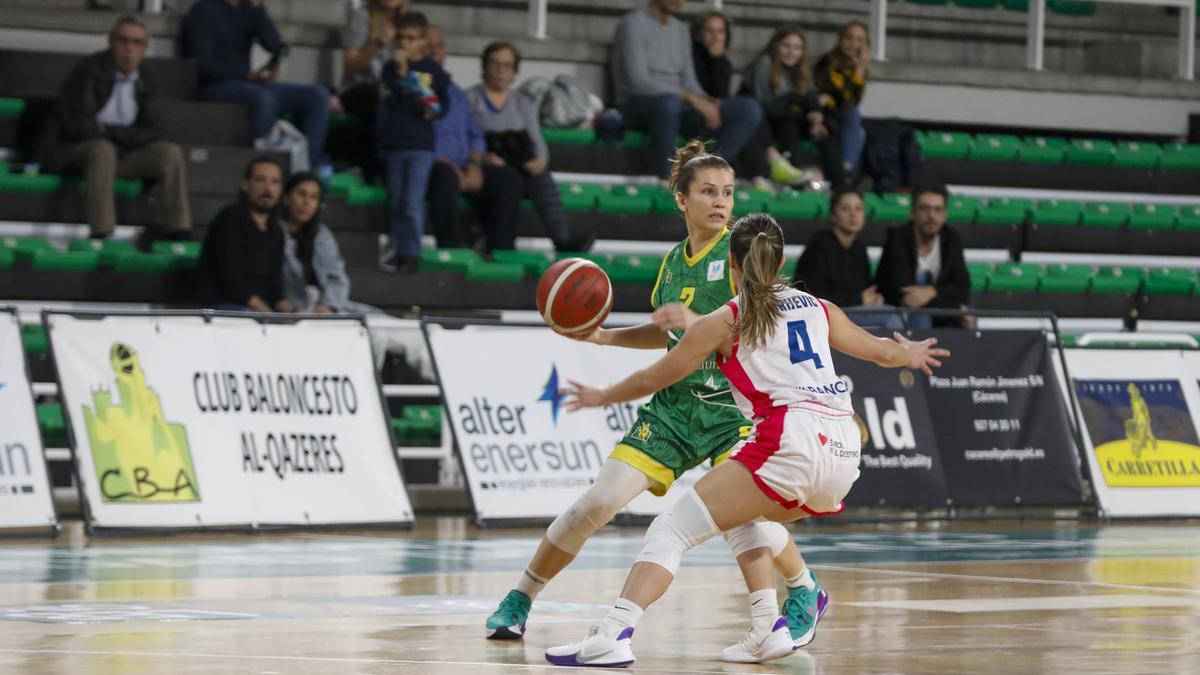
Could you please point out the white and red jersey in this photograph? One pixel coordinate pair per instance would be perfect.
(793, 369)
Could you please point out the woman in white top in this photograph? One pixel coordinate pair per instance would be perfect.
(774, 345)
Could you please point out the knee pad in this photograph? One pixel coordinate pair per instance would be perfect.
(589, 513)
(758, 534)
(686, 525)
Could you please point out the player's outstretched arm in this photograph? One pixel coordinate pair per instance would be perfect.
(846, 337)
(674, 316)
(705, 336)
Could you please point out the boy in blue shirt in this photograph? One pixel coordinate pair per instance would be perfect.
(412, 94)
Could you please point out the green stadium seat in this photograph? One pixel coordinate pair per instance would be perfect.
(601, 259)
(11, 107)
(1153, 217)
(633, 269)
(53, 426)
(979, 273)
(1106, 214)
(580, 196)
(1014, 278)
(1117, 280)
(341, 182)
(483, 270)
(65, 261)
(1136, 155)
(749, 201)
(1170, 281)
(7, 258)
(447, 259)
(995, 147)
(1189, 218)
(29, 184)
(34, 340)
(424, 416)
(109, 249)
(23, 248)
(1056, 212)
(1042, 150)
(1061, 278)
(944, 144)
(3, 166)
(977, 4)
(534, 262)
(366, 195)
(145, 263)
(789, 202)
(962, 209)
(889, 208)
(629, 199)
(568, 136)
(1177, 157)
(1092, 152)
(1071, 7)
(1004, 211)
(189, 249)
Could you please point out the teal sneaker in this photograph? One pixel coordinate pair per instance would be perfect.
(508, 621)
(803, 609)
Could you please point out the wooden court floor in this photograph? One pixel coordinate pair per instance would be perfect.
(935, 598)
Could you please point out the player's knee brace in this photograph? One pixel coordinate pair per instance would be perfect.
(589, 513)
(684, 526)
(759, 534)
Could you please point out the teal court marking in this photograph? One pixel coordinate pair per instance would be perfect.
(384, 554)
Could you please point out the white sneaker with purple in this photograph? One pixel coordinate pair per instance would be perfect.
(598, 649)
(758, 646)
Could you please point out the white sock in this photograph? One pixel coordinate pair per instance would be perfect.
(764, 609)
(624, 614)
(804, 578)
(531, 584)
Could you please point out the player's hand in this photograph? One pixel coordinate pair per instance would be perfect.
(581, 396)
(600, 336)
(922, 355)
(673, 316)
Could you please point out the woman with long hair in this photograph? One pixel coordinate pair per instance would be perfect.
(774, 345)
(693, 421)
(841, 76)
(780, 79)
(314, 273)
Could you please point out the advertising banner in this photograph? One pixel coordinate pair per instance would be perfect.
(989, 428)
(181, 422)
(25, 500)
(1139, 410)
(523, 456)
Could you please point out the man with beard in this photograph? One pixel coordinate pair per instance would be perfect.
(242, 256)
(922, 263)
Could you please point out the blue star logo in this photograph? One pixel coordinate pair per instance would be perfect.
(551, 394)
(1, 385)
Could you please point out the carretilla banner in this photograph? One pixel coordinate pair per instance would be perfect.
(989, 428)
(25, 500)
(179, 421)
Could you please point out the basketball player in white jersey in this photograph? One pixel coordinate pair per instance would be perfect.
(774, 344)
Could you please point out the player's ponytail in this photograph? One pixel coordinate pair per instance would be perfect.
(756, 243)
(688, 160)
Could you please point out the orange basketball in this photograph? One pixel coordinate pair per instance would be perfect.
(574, 296)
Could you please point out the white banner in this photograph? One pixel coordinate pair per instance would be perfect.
(1139, 410)
(524, 456)
(180, 422)
(24, 487)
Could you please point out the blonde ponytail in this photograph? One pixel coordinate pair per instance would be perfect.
(757, 246)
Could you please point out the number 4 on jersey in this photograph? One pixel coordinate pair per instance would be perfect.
(800, 345)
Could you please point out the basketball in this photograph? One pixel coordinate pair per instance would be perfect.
(574, 296)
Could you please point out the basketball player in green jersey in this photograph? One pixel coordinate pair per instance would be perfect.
(681, 426)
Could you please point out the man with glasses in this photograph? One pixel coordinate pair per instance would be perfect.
(922, 263)
(105, 126)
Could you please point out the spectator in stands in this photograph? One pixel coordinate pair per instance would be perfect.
(219, 35)
(106, 125)
(314, 274)
(514, 139)
(657, 90)
(779, 78)
(841, 76)
(460, 170)
(242, 255)
(922, 263)
(834, 264)
(366, 49)
(711, 34)
(415, 86)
